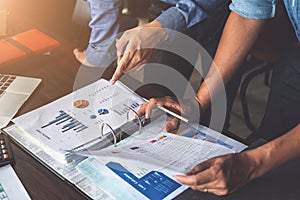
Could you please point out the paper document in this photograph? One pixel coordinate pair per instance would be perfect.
(68, 173)
(77, 118)
(11, 187)
(144, 165)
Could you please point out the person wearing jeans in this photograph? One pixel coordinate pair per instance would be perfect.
(104, 24)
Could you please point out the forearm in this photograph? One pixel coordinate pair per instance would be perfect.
(238, 37)
(275, 153)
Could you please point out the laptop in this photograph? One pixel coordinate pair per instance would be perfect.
(14, 91)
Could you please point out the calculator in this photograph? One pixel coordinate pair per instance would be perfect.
(6, 156)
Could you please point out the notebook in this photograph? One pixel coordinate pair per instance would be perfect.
(14, 91)
(20, 46)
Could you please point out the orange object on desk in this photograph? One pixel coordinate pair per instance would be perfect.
(22, 45)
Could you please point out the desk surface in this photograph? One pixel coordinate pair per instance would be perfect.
(58, 73)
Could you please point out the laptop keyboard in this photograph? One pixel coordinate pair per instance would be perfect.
(5, 81)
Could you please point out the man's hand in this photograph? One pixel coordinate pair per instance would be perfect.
(221, 175)
(189, 109)
(137, 46)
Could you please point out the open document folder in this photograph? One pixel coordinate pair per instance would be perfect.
(84, 138)
(142, 166)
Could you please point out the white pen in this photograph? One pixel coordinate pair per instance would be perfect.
(169, 112)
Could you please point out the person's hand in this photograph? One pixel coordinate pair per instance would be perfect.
(220, 175)
(137, 46)
(81, 57)
(189, 109)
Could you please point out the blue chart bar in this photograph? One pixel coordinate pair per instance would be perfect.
(69, 123)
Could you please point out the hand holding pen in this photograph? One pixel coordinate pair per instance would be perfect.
(185, 110)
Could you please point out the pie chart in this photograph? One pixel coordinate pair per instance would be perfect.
(81, 103)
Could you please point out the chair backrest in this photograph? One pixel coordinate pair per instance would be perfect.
(81, 13)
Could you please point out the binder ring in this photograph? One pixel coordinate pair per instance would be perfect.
(112, 132)
(138, 118)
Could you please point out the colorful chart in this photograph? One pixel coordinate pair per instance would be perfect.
(68, 122)
(81, 104)
(103, 111)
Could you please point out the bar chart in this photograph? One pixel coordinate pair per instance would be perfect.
(67, 122)
(124, 108)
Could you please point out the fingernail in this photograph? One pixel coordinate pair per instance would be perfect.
(167, 128)
(112, 81)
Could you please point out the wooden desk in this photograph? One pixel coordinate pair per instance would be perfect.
(58, 73)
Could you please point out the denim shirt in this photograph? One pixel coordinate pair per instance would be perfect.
(264, 9)
(104, 24)
(293, 10)
(185, 13)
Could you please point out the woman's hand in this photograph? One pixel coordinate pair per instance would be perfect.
(189, 109)
(220, 175)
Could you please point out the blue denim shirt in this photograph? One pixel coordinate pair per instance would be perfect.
(264, 9)
(104, 24)
(186, 13)
(293, 9)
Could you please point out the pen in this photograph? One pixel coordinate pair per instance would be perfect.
(169, 112)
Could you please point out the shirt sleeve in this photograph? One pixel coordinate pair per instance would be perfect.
(254, 9)
(186, 13)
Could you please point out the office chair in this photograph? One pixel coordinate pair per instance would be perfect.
(276, 36)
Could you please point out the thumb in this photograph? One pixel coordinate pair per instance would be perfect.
(172, 125)
(201, 167)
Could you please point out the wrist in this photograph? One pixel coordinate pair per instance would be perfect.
(154, 24)
(203, 96)
(198, 101)
(156, 29)
(202, 103)
(191, 109)
(258, 162)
